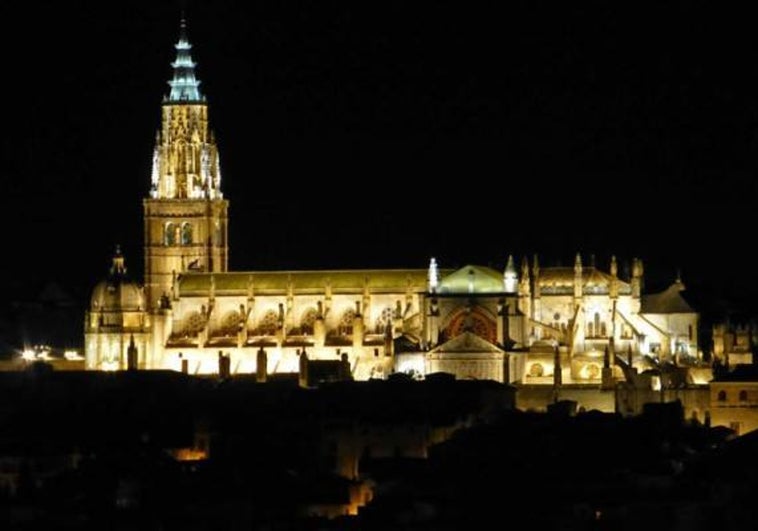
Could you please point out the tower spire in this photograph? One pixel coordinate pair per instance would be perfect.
(433, 276)
(184, 86)
(185, 213)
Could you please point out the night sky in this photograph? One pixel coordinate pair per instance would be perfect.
(378, 134)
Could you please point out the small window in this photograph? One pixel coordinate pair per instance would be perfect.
(187, 234)
(722, 396)
(743, 396)
(170, 234)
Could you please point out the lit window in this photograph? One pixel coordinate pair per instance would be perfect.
(536, 370)
(345, 327)
(170, 234)
(306, 321)
(186, 234)
(268, 324)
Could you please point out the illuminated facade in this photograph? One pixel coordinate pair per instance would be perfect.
(185, 216)
(734, 399)
(476, 322)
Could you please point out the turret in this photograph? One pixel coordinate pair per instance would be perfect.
(366, 302)
(224, 365)
(510, 277)
(578, 276)
(433, 276)
(131, 355)
(637, 277)
(261, 366)
(536, 302)
(524, 288)
(357, 329)
(319, 327)
(303, 369)
(614, 287)
(607, 372)
(678, 281)
(389, 349)
(432, 322)
(503, 332)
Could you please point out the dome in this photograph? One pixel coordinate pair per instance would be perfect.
(117, 292)
(472, 279)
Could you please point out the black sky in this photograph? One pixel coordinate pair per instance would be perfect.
(357, 134)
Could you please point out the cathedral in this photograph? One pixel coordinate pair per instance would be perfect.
(526, 323)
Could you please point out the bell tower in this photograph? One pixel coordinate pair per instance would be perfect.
(185, 214)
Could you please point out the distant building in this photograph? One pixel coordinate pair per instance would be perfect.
(733, 344)
(533, 324)
(734, 399)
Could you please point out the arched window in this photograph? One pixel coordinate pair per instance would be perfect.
(186, 234)
(170, 233)
(231, 323)
(307, 320)
(345, 327)
(743, 396)
(477, 321)
(722, 396)
(384, 319)
(193, 324)
(536, 370)
(268, 323)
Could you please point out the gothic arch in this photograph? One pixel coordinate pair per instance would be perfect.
(345, 325)
(477, 319)
(268, 323)
(193, 323)
(307, 318)
(230, 323)
(171, 234)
